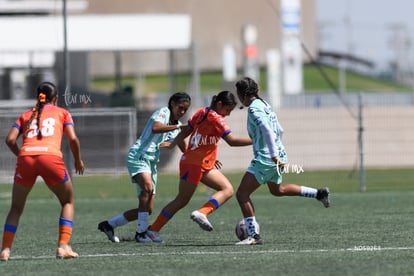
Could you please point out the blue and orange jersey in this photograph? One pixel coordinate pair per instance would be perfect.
(208, 128)
(53, 119)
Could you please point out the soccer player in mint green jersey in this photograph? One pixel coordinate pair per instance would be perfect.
(160, 130)
(269, 159)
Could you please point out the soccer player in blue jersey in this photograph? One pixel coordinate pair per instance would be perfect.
(160, 130)
(269, 159)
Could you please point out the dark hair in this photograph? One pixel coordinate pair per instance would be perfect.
(247, 87)
(46, 92)
(179, 97)
(226, 97)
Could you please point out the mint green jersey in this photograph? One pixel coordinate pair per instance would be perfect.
(148, 144)
(266, 132)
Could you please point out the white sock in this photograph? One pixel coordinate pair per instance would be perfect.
(118, 220)
(143, 221)
(308, 192)
(251, 226)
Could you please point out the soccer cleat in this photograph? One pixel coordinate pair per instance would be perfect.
(5, 254)
(106, 228)
(323, 196)
(154, 236)
(201, 220)
(251, 240)
(142, 237)
(65, 252)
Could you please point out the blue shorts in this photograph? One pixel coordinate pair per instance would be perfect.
(265, 172)
(136, 166)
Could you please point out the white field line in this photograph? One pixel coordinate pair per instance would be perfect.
(181, 253)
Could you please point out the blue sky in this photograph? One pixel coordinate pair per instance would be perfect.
(367, 28)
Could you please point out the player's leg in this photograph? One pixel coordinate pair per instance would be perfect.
(215, 180)
(25, 177)
(53, 171)
(145, 201)
(321, 195)
(19, 196)
(248, 185)
(64, 193)
(185, 193)
(189, 178)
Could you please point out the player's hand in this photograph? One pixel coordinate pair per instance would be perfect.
(166, 145)
(218, 165)
(279, 163)
(79, 167)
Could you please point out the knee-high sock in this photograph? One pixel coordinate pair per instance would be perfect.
(142, 222)
(65, 231)
(160, 221)
(209, 207)
(8, 235)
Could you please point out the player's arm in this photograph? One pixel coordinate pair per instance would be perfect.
(182, 145)
(159, 127)
(233, 141)
(270, 140)
(11, 140)
(75, 148)
(180, 139)
(269, 135)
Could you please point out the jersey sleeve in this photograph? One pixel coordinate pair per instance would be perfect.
(197, 117)
(21, 122)
(162, 115)
(222, 127)
(67, 119)
(259, 117)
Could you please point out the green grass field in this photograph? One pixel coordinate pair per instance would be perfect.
(211, 81)
(368, 233)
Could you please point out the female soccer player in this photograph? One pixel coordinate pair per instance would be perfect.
(198, 163)
(161, 128)
(269, 158)
(42, 129)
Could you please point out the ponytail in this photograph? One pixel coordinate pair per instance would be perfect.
(46, 92)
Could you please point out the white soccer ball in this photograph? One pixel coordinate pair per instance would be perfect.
(241, 230)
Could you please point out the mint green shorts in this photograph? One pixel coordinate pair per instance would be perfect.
(142, 165)
(265, 172)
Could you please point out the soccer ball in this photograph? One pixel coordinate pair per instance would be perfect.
(241, 230)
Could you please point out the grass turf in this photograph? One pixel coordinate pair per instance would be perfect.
(362, 233)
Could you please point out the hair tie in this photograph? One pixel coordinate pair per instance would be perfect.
(41, 97)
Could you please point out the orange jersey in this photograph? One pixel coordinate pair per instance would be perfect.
(208, 128)
(52, 121)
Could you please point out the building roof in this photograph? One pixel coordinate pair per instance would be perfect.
(95, 32)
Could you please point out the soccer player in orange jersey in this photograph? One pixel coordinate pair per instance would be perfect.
(42, 129)
(198, 163)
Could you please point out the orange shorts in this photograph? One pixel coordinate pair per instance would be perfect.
(50, 167)
(191, 173)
